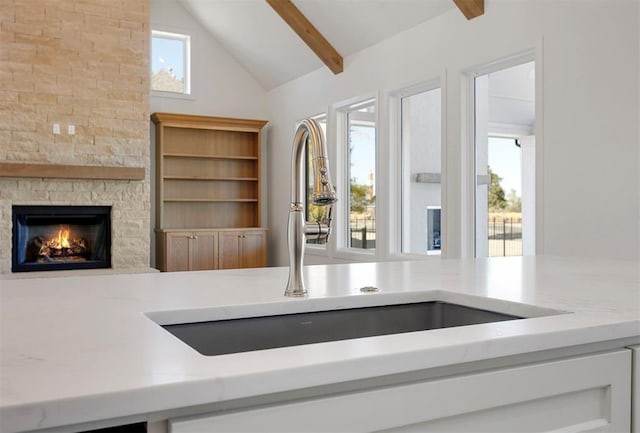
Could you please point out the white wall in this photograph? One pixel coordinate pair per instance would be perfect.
(587, 119)
(219, 85)
(527, 200)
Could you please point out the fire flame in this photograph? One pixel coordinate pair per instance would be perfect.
(61, 248)
(62, 241)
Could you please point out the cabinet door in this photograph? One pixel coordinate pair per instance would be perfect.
(254, 249)
(177, 252)
(582, 394)
(243, 249)
(204, 251)
(230, 250)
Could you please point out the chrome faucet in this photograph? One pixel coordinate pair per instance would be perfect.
(323, 194)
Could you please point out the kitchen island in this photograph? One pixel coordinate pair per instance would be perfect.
(85, 352)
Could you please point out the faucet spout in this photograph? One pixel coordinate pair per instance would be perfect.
(323, 194)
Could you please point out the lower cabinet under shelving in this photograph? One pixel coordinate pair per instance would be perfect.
(209, 249)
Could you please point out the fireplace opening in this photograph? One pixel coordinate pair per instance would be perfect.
(47, 238)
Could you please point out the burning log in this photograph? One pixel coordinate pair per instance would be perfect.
(61, 248)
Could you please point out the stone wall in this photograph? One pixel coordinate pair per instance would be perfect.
(83, 63)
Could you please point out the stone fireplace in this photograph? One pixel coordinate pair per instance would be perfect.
(128, 203)
(80, 63)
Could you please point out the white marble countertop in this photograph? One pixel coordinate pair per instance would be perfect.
(81, 349)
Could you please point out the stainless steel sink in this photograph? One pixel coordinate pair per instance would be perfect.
(256, 333)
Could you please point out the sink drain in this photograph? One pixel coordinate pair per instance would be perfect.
(368, 289)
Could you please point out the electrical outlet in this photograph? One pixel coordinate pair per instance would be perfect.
(56, 128)
(71, 129)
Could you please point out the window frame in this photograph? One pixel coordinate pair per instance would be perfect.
(340, 248)
(187, 39)
(468, 228)
(397, 159)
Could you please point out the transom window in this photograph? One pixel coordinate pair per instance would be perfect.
(170, 62)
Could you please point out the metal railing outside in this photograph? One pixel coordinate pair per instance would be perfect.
(362, 233)
(505, 237)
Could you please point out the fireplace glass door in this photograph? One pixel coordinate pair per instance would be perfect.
(61, 238)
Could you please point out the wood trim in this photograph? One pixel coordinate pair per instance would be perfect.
(210, 230)
(470, 8)
(207, 122)
(308, 33)
(66, 171)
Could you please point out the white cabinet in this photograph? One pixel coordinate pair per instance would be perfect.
(588, 393)
(635, 392)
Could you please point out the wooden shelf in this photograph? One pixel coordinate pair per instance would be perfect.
(212, 178)
(67, 171)
(189, 155)
(210, 200)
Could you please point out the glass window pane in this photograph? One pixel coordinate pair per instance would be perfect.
(504, 193)
(505, 162)
(169, 68)
(361, 130)
(421, 172)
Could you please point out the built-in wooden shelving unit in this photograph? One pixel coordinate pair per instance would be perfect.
(208, 179)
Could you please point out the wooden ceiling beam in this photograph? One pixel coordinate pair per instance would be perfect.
(308, 33)
(470, 8)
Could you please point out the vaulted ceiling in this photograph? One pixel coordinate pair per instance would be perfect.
(258, 38)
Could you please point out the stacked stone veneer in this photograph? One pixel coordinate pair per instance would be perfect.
(82, 63)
